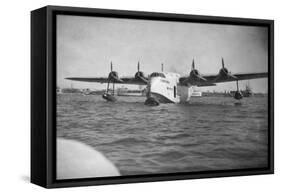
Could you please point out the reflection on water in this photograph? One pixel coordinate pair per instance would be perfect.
(210, 133)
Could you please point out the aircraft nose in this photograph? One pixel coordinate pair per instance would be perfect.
(153, 87)
(152, 83)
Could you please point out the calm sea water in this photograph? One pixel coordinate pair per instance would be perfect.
(210, 133)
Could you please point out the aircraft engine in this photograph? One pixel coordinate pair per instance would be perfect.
(140, 75)
(224, 73)
(194, 75)
(113, 76)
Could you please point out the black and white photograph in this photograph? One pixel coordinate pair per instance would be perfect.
(145, 97)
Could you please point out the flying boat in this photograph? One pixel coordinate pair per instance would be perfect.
(169, 87)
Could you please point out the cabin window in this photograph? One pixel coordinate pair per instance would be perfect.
(175, 91)
(156, 74)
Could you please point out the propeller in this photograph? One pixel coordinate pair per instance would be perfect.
(224, 73)
(140, 75)
(113, 75)
(193, 65)
(194, 74)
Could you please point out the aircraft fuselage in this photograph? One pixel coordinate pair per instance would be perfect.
(164, 88)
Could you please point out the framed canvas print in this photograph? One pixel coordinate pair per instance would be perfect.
(125, 96)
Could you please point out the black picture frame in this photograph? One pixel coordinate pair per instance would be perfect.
(43, 95)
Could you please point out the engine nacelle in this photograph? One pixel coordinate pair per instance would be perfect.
(194, 75)
(140, 76)
(113, 77)
(224, 73)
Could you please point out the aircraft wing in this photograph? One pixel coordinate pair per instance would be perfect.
(125, 80)
(211, 80)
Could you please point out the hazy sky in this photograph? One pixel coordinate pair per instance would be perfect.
(86, 45)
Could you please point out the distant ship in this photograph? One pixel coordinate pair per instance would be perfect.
(87, 91)
(126, 92)
(70, 90)
(196, 94)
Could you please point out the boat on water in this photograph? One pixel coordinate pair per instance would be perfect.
(126, 92)
(196, 94)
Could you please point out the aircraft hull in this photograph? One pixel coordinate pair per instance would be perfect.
(164, 90)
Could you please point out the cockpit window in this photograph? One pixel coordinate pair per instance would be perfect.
(156, 74)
